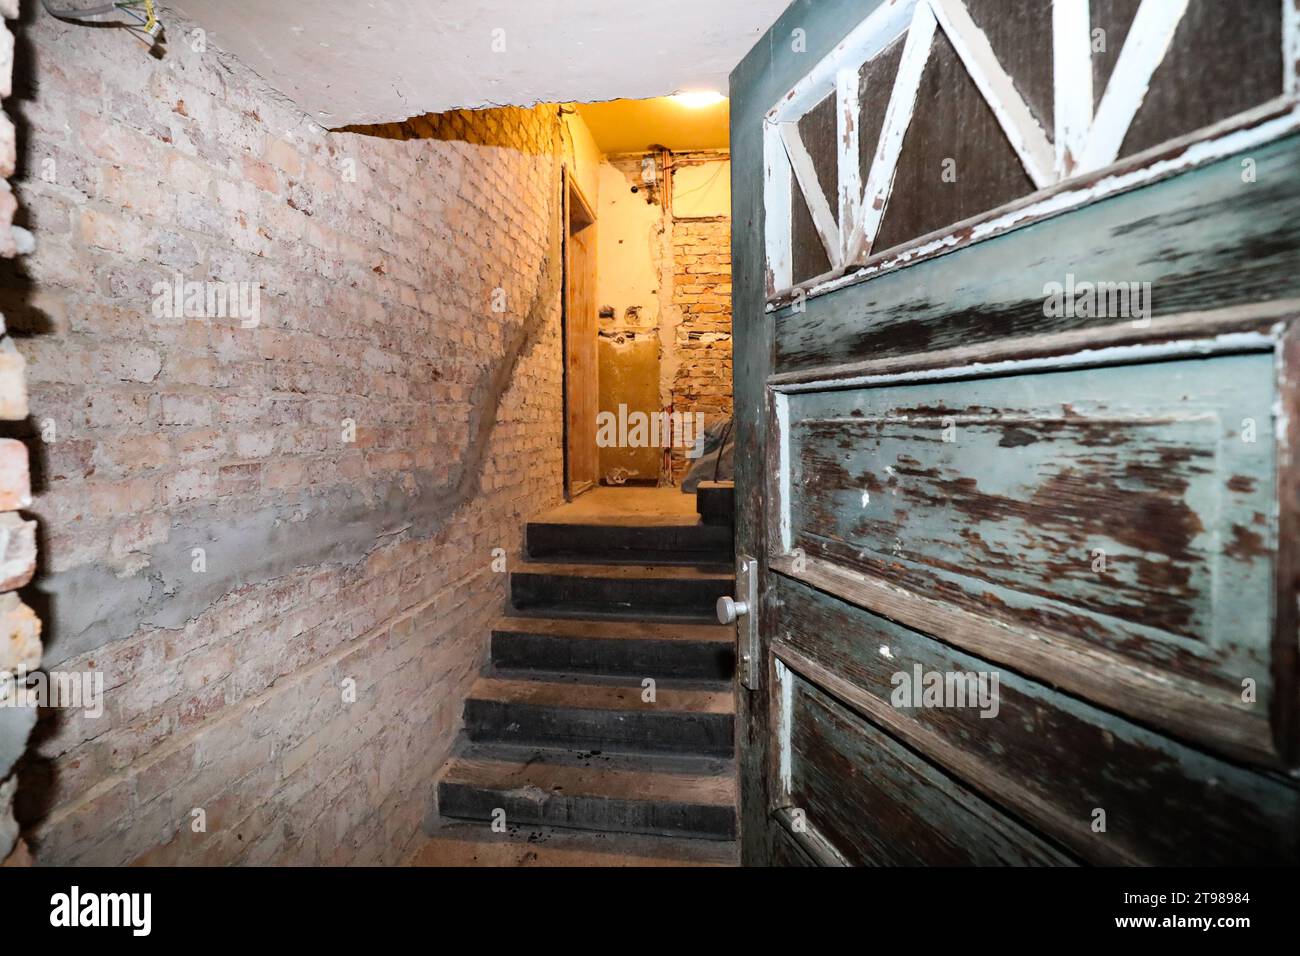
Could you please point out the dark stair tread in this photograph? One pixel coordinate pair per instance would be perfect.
(614, 614)
(625, 542)
(706, 571)
(539, 771)
(583, 693)
(711, 685)
(630, 630)
(690, 765)
(630, 647)
(691, 525)
(694, 528)
(627, 557)
(465, 843)
(614, 591)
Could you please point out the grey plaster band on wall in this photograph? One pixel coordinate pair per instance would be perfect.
(89, 606)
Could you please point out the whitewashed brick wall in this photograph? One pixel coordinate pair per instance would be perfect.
(20, 630)
(378, 257)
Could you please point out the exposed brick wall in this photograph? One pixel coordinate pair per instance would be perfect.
(20, 647)
(702, 296)
(326, 564)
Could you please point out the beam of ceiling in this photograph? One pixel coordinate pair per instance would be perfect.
(370, 61)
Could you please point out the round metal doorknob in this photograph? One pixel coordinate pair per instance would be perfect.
(729, 609)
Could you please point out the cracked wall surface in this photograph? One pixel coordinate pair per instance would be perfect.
(701, 264)
(274, 541)
(20, 629)
(664, 285)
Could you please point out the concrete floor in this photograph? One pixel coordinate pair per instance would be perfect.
(626, 506)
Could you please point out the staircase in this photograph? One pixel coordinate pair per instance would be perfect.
(603, 725)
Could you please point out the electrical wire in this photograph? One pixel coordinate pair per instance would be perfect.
(707, 183)
(87, 16)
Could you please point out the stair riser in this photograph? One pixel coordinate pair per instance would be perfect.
(587, 813)
(489, 721)
(705, 660)
(716, 504)
(539, 592)
(666, 544)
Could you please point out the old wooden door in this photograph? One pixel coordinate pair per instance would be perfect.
(581, 374)
(1015, 288)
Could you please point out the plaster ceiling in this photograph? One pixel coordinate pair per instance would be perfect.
(370, 61)
(629, 126)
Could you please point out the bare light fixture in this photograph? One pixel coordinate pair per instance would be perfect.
(697, 99)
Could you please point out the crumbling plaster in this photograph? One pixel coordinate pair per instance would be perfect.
(645, 264)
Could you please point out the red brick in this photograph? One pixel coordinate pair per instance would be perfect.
(15, 481)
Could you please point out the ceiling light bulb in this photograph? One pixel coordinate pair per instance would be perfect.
(698, 99)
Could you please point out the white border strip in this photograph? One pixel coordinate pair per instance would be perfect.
(1111, 355)
(848, 151)
(781, 409)
(785, 762)
(777, 199)
(1291, 46)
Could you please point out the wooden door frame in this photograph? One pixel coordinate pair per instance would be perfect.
(761, 78)
(571, 190)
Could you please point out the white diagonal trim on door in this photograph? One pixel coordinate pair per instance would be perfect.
(1024, 132)
(1263, 124)
(806, 174)
(898, 116)
(1085, 140)
(1144, 48)
(848, 153)
(867, 40)
(1072, 81)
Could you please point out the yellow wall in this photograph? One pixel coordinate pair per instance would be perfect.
(584, 157)
(629, 244)
(629, 258)
(702, 189)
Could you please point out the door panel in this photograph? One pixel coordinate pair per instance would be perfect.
(629, 386)
(1156, 235)
(951, 472)
(1050, 757)
(786, 851)
(1116, 512)
(878, 804)
(581, 371)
